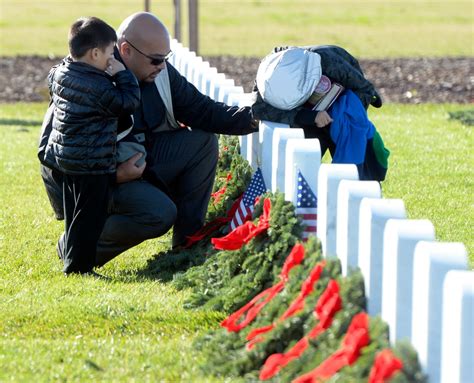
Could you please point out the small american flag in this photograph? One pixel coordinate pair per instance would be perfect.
(306, 207)
(245, 209)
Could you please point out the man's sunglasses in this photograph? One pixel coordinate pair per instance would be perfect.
(153, 60)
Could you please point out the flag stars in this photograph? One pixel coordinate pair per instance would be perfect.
(256, 188)
(306, 197)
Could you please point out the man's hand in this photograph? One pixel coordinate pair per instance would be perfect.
(322, 119)
(114, 66)
(128, 171)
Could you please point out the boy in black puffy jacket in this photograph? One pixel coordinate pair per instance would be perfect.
(90, 90)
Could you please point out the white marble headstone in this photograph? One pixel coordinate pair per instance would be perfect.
(330, 175)
(457, 347)
(400, 239)
(432, 261)
(374, 214)
(349, 197)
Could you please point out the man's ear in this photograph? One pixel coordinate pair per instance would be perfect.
(124, 49)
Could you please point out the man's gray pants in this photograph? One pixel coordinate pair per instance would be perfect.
(185, 161)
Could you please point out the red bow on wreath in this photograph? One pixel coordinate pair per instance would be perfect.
(245, 232)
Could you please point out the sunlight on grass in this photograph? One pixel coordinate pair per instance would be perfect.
(431, 167)
(133, 358)
(368, 29)
(76, 328)
(135, 328)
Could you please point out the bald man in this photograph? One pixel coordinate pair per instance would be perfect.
(173, 187)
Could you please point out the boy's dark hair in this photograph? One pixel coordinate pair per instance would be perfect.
(88, 33)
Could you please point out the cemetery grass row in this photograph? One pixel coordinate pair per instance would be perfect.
(54, 328)
(378, 29)
(136, 328)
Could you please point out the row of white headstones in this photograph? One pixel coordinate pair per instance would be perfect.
(421, 287)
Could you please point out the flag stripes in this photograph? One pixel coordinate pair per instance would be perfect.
(306, 207)
(256, 188)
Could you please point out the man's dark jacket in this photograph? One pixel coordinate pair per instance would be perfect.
(190, 107)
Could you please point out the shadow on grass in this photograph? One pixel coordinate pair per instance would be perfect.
(465, 116)
(166, 264)
(17, 122)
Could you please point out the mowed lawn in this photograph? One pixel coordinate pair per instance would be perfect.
(54, 328)
(367, 28)
(134, 329)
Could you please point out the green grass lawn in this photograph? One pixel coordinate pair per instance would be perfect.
(54, 328)
(367, 28)
(430, 167)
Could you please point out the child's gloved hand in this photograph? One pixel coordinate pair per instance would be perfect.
(322, 119)
(376, 101)
(114, 66)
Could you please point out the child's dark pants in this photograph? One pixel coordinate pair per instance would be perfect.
(85, 199)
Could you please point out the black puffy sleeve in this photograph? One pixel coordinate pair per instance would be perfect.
(198, 111)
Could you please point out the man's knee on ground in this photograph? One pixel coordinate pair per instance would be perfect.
(159, 219)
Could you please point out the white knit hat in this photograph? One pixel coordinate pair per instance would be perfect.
(287, 78)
